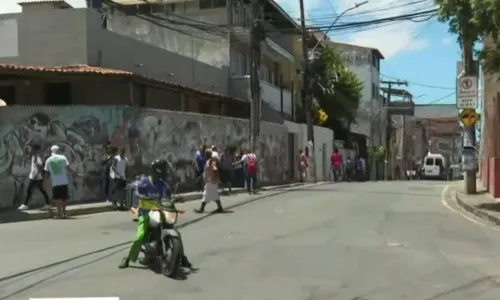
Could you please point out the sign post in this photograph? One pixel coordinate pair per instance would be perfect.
(467, 92)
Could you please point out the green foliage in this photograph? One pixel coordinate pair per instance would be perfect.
(377, 153)
(472, 21)
(336, 89)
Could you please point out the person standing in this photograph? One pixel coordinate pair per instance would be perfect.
(36, 178)
(336, 164)
(226, 172)
(199, 163)
(57, 166)
(118, 173)
(249, 161)
(302, 160)
(212, 180)
(106, 169)
(215, 153)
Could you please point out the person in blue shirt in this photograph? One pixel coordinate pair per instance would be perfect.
(199, 166)
(149, 192)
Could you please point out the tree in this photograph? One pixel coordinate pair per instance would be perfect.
(336, 89)
(472, 21)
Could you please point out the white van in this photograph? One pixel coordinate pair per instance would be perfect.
(434, 166)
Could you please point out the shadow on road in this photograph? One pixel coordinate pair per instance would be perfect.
(27, 287)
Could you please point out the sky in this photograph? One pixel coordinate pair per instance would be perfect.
(422, 53)
(425, 54)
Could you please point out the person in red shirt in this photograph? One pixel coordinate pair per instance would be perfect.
(336, 164)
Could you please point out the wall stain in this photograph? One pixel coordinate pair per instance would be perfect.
(83, 131)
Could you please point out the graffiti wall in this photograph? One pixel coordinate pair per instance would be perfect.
(82, 133)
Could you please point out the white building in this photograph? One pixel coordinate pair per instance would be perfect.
(365, 63)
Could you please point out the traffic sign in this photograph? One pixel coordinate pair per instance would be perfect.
(469, 117)
(467, 92)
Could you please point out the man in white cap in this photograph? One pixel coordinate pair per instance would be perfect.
(57, 166)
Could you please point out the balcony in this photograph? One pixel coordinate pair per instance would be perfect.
(278, 99)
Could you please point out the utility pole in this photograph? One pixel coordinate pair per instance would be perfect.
(257, 35)
(469, 131)
(388, 121)
(306, 97)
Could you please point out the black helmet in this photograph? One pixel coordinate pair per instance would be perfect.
(159, 167)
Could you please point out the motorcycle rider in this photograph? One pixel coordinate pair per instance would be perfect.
(150, 191)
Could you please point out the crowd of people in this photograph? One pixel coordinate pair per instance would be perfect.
(56, 167)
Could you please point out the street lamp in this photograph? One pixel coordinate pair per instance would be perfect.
(335, 22)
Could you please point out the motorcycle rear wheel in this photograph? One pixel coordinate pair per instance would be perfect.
(172, 261)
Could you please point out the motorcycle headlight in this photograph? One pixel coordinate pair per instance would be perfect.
(170, 217)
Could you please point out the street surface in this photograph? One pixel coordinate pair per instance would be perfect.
(349, 241)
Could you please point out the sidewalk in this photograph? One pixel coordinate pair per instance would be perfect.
(482, 205)
(93, 208)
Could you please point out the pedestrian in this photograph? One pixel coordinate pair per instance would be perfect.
(212, 180)
(249, 161)
(302, 161)
(106, 169)
(118, 173)
(215, 153)
(336, 164)
(36, 178)
(199, 162)
(57, 166)
(226, 172)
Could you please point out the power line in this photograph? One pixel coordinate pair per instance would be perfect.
(421, 84)
(342, 26)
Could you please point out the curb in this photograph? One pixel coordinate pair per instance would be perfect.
(89, 209)
(476, 211)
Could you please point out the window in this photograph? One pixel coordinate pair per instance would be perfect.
(374, 91)
(429, 162)
(8, 94)
(276, 74)
(57, 93)
(438, 162)
(209, 4)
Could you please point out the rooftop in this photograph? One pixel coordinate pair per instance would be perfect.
(359, 46)
(99, 71)
(397, 92)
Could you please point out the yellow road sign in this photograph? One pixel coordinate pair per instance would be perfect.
(468, 117)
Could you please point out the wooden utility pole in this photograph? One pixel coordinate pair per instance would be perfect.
(307, 97)
(257, 35)
(388, 121)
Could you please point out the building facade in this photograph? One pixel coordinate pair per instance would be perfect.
(187, 43)
(365, 63)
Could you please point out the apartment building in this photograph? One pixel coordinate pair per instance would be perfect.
(200, 44)
(365, 63)
(279, 64)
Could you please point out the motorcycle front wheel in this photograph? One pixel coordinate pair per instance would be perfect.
(172, 256)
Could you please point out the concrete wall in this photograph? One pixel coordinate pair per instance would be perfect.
(44, 37)
(323, 138)
(182, 54)
(186, 56)
(82, 131)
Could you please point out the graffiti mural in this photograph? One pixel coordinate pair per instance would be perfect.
(82, 132)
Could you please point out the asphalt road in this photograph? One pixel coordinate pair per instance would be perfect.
(370, 241)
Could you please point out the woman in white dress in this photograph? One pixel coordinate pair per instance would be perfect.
(212, 180)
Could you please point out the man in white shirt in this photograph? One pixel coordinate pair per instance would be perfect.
(118, 173)
(215, 154)
(35, 178)
(57, 166)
